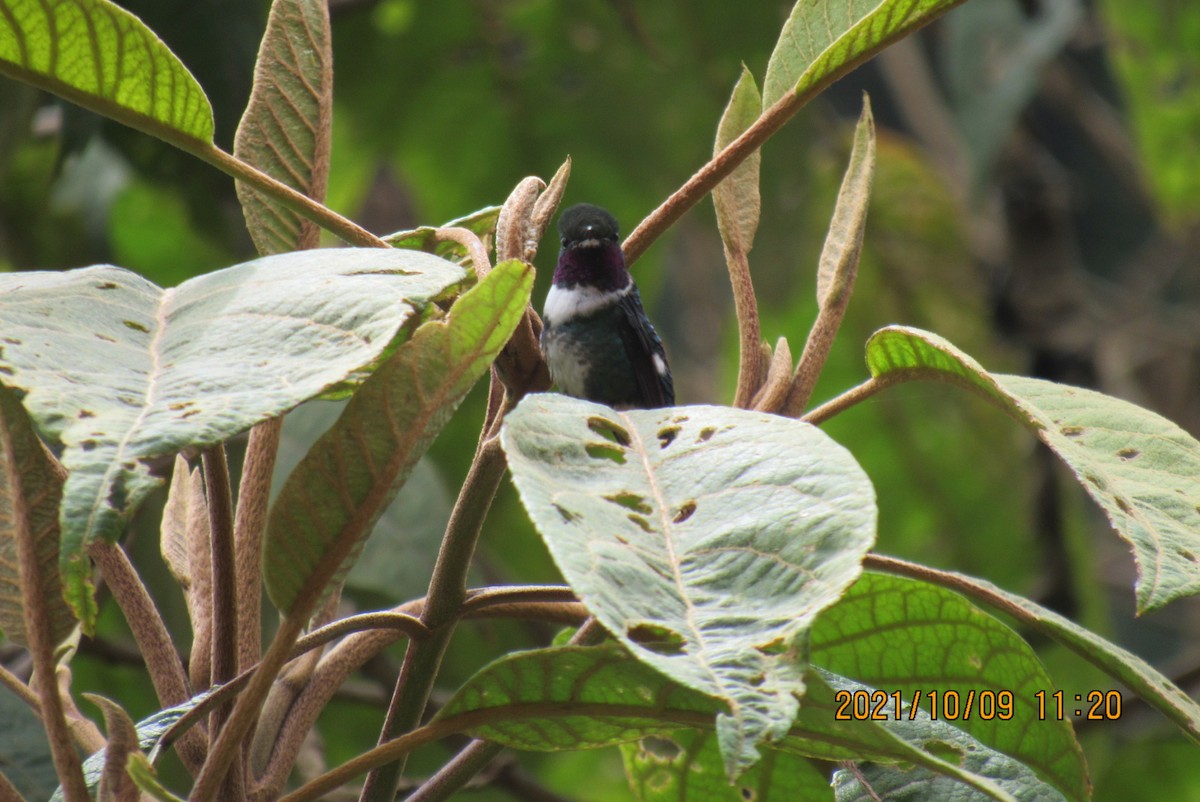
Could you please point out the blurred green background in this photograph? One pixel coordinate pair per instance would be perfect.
(1037, 202)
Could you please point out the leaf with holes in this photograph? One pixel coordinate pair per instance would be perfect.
(1143, 470)
(585, 697)
(100, 56)
(285, 130)
(706, 539)
(686, 766)
(121, 372)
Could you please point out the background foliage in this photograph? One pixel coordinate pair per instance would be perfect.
(1036, 202)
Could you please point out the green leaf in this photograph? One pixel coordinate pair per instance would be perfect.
(1124, 666)
(30, 492)
(481, 222)
(143, 774)
(1143, 470)
(122, 372)
(686, 766)
(332, 500)
(824, 39)
(736, 198)
(285, 131)
(586, 697)
(150, 733)
(910, 637)
(731, 555)
(100, 56)
(413, 524)
(983, 773)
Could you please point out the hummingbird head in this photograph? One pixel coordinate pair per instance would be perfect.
(591, 250)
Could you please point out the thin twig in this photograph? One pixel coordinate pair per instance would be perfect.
(473, 245)
(844, 401)
(224, 569)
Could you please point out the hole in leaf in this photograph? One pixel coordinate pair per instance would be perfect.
(748, 793)
(133, 324)
(657, 638)
(609, 431)
(706, 434)
(660, 749)
(630, 501)
(685, 512)
(667, 436)
(945, 751)
(641, 522)
(88, 445)
(777, 646)
(1129, 453)
(1072, 431)
(758, 679)
(106, 285)
(1124, 505)
(567, 515)
(601, 451)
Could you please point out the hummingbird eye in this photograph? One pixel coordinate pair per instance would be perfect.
(564, 242)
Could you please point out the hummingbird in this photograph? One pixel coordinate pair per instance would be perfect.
(597, 340)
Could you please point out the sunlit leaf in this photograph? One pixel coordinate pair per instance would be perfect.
(98, 55)
(333, 498)
(121, 372)
(911, 638)
(731, 554)
(1143, 470)
(285, 131)
(823, 39)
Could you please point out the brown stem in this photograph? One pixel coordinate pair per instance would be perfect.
(253, 496)
(162, 661)
(224, 569)
(473, 245)
(40, 641)
(846, 400)
(745, 306)
(296, 201)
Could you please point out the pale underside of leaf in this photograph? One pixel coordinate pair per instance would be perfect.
(737, 197)
(285, 131)
(100, 56)
(122, 372)
(333, 498)
(30, 491)
(732, 553)
(1142, 469)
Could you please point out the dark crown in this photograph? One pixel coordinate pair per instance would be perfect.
(585, 221)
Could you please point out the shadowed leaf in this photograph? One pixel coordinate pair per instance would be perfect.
(333, 498)
(285, 131)
(30, 491)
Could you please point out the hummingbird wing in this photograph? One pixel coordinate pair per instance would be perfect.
(645, 352)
